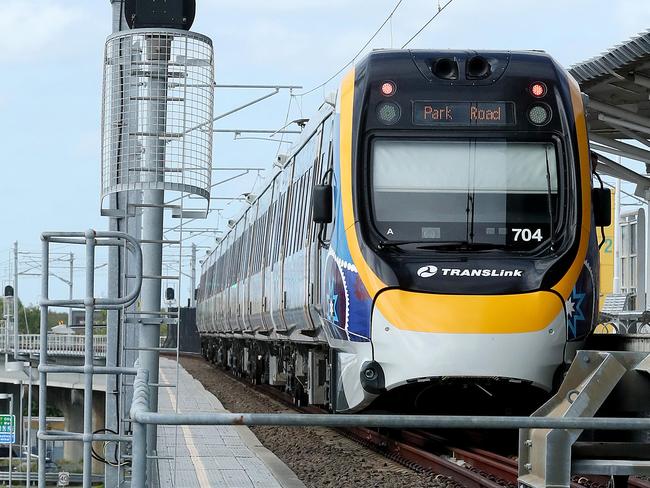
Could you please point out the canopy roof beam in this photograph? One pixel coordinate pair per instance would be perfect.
(611, 168)
(624, 149)
(620, 113)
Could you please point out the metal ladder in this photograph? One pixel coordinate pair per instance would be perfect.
(134, 316)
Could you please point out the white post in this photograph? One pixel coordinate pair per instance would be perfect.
(16, 311)
(11, 446)
(193, 277)
(70, 285)
(617, 237)
(21, 438)
(29, 428)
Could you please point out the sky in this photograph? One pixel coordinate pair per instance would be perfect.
(51, 88)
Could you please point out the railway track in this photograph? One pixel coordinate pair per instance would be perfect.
(426, 451)
(406, 451)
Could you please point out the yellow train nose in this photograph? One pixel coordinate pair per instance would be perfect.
(469, 314)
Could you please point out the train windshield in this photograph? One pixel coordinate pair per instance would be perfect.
(465, 193)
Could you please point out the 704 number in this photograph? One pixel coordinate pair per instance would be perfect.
(528, 235)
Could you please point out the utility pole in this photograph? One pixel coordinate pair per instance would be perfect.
(157, 52)
(16, 314)
(146, 151)
(118, 395)
(193, 277)
(70, 284)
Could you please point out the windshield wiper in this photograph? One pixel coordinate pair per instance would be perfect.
(549, 195)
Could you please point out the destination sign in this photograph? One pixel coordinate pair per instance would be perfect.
(463, 113)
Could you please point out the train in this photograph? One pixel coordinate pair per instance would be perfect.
(430, 244)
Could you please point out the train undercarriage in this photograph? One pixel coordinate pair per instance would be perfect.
(305, 372)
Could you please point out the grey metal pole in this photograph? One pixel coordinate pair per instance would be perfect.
(11, 446)
(88, 358)
(117, 268)
(141, 395)
(29, 429)
(42, 375)
(21, 436)
(70, 284)
(157, 51)
(192, 281)
(16, 314)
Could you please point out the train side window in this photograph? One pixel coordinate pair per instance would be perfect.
(290, 212)
(263, 239)
(300, 226)
(296, 225)
(309, 184)
(297, 214)
(242, 259)
(254, 248)
(268, 246)
(303, 209)
(278, 232)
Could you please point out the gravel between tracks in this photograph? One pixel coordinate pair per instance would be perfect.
(320, 457)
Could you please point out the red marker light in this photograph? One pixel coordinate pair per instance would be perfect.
(388, 88)
(538, 89)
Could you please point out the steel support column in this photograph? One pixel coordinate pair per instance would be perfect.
(157, 51)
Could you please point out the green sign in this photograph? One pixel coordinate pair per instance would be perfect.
(7, 429)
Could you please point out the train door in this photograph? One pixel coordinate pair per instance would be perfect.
(254, 286)
(322, 163)
(269, 243)
(294, 265)
(227, 283)
(244, 246)
(277, 297)
(235, 259)
(244, 302)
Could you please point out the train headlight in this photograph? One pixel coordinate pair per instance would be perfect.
(538, 89)
(388, 88)
(388, 113)
(539, 114)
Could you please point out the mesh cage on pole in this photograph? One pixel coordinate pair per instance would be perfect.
(183, 106)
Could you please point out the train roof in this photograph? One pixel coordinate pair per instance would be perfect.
(324, 111)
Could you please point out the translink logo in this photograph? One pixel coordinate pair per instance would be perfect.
(430, 270)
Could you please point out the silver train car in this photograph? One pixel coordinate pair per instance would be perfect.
(434, 231)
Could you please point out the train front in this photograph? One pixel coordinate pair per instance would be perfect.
(463, 256)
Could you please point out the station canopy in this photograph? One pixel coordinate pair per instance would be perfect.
(618, 110)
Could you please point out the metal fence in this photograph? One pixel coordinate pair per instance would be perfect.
(587, 384)
(57, 344)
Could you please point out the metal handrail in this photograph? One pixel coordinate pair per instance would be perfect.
(87, 345)
(141, 416)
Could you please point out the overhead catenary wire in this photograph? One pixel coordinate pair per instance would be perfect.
(426, 24)
(390, 15)
(388, 20)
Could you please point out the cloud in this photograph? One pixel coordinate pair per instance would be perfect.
(31, 28)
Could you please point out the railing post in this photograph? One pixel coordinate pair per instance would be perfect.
(89, 354)
(42, 375)
(139, 447)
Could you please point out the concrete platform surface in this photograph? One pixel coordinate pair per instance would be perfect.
(211, 456)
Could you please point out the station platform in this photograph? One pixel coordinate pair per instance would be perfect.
(211, 456)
